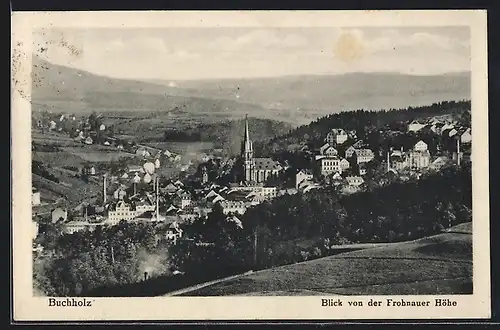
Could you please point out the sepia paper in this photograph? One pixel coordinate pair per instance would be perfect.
(223, 30)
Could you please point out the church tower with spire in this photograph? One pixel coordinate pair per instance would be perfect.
(247, 155)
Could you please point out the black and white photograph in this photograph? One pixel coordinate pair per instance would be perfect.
(253, 161)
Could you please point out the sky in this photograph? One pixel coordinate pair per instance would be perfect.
(222, 52)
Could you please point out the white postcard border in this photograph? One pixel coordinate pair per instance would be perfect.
(26, 307)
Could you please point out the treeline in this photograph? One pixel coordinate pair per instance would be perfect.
(363, 122)
(228, 134)
(75, 264)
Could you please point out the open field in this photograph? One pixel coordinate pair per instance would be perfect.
(440, 264)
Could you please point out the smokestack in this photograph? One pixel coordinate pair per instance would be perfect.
(104, 192)
(458, 152)
(145, 276)
(157, 200)
(388, 162)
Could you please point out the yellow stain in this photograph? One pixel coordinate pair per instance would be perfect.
(348, 48)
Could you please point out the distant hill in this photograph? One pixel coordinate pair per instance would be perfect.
(293, 99)
(63, 89)
(320, 94)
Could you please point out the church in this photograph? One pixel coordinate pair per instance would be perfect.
(256, 170)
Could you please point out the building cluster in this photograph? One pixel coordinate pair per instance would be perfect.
(138, 192)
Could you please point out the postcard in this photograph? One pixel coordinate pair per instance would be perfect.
(250, 165)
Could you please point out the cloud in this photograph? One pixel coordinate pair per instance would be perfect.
(393, 40)
(261, 40)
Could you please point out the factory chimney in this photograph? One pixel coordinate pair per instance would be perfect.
(157, 200)
(388, 162)
(458, 152)
(104, 190)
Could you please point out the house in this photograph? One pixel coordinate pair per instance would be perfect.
(419, 159)
(119, 193)
(452, 132)
(415, 126)
(34, 229)
(349, 152)
(88, 170)
(328, 150)
(182, 199)
(121, 211)
(466, 136)
(302, 175)
(102, 127)
(362, 169)
(120, 147)
(89, 140)
(74, 226)
(35, 197)
(359, 144)
(364, 155)
(438, 163)
(352, 134)
(344, 164)
(336, 136)
(437, 128)
(447, 126)
(59, 214)
(143, 206)
(106, 143)
(309, 187)
(174, 232)
(420, 146)
(354, 181)
(239, 207)
(329, 165)
(135, 169)
(142, 152)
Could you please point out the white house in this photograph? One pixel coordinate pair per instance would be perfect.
(344, 164)
(452, 132)
(438, 163)
(329, 165)
(415, 126)
(336, 136)
(239, 207)
(420, 146)
(302, 175)
(89, 140)
(174, 232)
(59, 214)
(328, 150)
(364, 155)
(419, 159)
(354, 181)
(35, 197)
(182, 200)
(466, 136)
(122, 211)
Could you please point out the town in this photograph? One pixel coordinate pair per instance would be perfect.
(138, 189)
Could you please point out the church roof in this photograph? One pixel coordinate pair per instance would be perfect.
(266, 164)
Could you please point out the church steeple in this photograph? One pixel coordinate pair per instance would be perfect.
(247, 133)
(247, 154)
